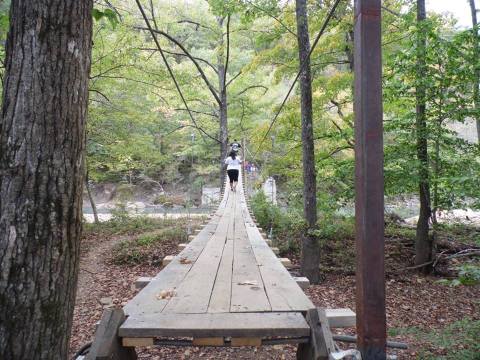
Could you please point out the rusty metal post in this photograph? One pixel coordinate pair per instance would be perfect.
(370, 274)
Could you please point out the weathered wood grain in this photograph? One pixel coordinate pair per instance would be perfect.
(216, 325)
(106, 343)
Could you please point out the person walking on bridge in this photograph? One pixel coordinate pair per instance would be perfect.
(235, 146)
(233, 163)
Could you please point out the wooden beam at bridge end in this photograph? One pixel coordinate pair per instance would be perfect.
(246, 341)
(321, 343)
(133, 342)
(142, 281)
(106, 343)
(303, 282)
(286, 262)
(369, 183)
(212, 341)
(167, 260)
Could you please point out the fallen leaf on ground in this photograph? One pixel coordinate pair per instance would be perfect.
(184, 260)
(166, 294)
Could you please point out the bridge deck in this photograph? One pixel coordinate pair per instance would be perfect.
(226, 283)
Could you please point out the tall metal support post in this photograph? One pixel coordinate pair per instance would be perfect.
(369, 207)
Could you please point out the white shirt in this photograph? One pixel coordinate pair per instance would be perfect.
(233, 164)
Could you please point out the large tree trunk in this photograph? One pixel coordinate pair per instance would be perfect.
(423, 244)
(310, 245)
(223, 106)
(42, 134)
(476, 55)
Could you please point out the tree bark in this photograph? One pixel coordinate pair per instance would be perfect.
(42, 132)
(423, 244)
(310, 245)
(223, 106)
(476, 55)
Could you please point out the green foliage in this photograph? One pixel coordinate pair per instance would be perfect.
(458, 340)
(126, 224)
(142, 248)
(453, 162)
(108, 14)
(120, 213)
(468, 274)
(461, 233)
(286, 226)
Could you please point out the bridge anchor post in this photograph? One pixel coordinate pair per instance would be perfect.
(321, 341)
(106, 343)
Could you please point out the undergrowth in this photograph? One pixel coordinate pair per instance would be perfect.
(148, 247)
(458, 340)
(127, 225)
(336, 235)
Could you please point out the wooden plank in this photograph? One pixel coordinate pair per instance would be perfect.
(142, 281)
(216, 325)
(211, 341)
(167, 260)
(133, 342)
(283, 292)
(248, 293)
(340, 318)
(147, 301)
(194, 292)
(246, 341)
(286, 262)
(220, 297)
(302, 281)
(106, 343)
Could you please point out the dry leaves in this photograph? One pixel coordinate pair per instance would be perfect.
(184, 260)
(166, 294)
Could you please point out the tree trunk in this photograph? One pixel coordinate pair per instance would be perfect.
(92, 200)
(42, 132)
(223, 119)
(423, 244)
(476, 55)
(310, 245)
(223, 133)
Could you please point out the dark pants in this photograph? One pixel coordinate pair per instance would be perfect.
(232, 175)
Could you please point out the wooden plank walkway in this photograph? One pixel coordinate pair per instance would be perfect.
(227, 282)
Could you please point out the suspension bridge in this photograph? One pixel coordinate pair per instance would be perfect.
(226, 287)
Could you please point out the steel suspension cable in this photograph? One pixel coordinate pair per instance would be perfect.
(302, 68)
(145, 18)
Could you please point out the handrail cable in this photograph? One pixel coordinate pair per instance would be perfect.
(322, 30)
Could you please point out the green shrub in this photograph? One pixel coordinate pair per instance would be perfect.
(120, 213)
(468, 274)
(119, 225)
(143, 248)
(460, 339)
(286, 226)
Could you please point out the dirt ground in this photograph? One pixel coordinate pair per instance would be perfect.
(412, 301)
